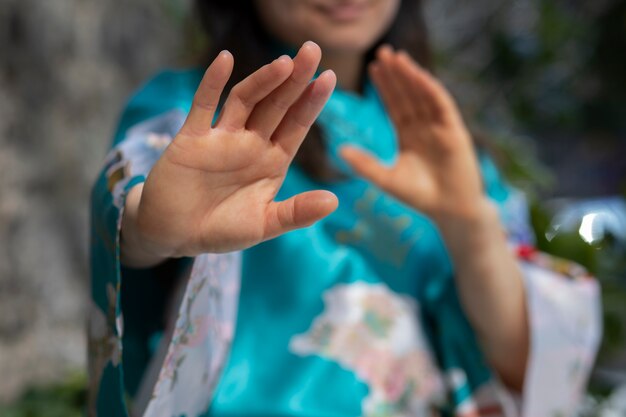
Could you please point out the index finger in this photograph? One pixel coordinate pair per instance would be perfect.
(207, 96)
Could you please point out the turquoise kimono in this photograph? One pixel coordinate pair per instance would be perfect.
(355, 315)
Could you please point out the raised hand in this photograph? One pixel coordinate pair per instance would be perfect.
(213, 189)
(436, 171)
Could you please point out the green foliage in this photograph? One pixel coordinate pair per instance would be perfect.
(540, 69)
(64, 399)
(520, 165)
(182, 15)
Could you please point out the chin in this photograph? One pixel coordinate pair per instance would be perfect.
(345, 41)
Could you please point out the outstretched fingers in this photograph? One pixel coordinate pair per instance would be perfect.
(299, 211)
(424, 90)
(268, 114)
(295, 125)
(208, 94)
(396, 99)
(248, 93)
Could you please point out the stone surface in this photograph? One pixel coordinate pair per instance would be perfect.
(66, 68)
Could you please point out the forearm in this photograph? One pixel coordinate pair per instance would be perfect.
(490, 288)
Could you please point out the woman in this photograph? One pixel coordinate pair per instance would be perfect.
(403, 296)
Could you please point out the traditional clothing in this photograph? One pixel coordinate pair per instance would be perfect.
(355, 315)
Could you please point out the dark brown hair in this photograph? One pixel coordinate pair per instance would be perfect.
(235, 25)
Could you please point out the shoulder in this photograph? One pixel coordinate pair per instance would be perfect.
(166, 91)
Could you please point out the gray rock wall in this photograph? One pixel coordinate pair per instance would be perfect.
(66, 69)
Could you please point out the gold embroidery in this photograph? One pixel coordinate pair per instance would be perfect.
(379, 232)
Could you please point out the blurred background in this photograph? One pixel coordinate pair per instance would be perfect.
(543, 80)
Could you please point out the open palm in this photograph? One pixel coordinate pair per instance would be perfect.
(437, 170)
(213, 189)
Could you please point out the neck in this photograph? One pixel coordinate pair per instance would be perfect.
(347, 66)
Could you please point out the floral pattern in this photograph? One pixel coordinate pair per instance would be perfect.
(365, 327)
(560, 266)
(205, 324)
(104, 344)
(201, 339)
(375, 333)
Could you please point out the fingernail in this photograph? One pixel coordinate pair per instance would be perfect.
(328, 196)
(309, 43)
(386, 49)
(285, 58)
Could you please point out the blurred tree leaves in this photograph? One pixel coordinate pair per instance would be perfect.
(545, 79)
(65, 399)
(567, 73)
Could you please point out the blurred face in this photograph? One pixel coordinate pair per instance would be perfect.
(336, 25)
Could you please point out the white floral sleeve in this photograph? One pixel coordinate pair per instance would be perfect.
(565, 319)
(565, 330)
(189, 361)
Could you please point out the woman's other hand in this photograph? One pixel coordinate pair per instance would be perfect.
(213, 188)
(436, 171)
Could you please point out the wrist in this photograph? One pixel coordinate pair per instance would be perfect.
(135, 250)
(472, 226)
(479, 214)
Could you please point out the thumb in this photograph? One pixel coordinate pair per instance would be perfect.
(299, 211)
(365, 165)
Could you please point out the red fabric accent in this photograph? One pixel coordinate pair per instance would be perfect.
(526, 252)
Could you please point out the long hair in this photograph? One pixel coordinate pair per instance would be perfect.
(236, 26)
